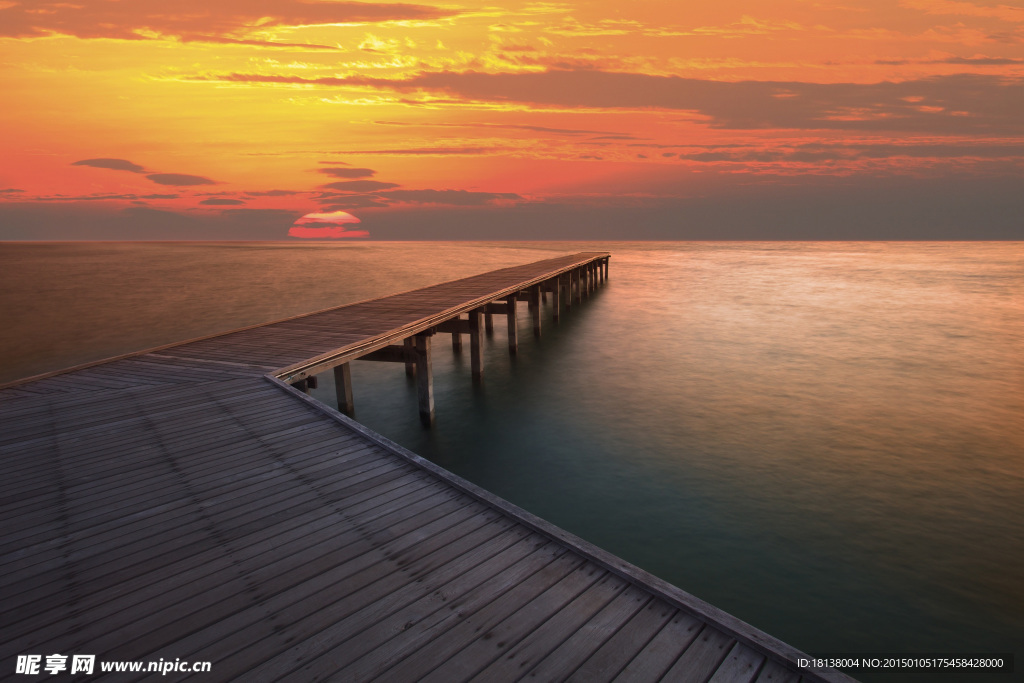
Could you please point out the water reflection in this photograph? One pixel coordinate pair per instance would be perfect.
(825, 440)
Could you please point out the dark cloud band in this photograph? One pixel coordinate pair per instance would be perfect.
(962, 103)
(113, 164)
(192, 20)
(179, 179)
(348, 172)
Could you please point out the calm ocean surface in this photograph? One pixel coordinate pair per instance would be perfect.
(824, 439)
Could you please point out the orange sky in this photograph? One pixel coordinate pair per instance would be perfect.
(235, 118)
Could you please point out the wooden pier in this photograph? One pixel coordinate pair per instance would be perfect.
(192, 503)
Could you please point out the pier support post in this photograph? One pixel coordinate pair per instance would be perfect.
(489, 323)
(304, 385)
(579, 288)
(424, 379)
(606, 261)
(556, 297)
(513, 328)
(566, 281)
(535, 306)
(457, 341)
(410, 365)
(343, 387)
(475, 345)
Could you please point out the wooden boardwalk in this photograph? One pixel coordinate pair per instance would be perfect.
(188, 504)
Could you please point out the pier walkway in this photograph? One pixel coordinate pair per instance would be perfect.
(191, 504)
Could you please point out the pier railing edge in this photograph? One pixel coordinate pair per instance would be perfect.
(317, 364)
(737, 628)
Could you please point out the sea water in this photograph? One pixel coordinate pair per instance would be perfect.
(823, 439)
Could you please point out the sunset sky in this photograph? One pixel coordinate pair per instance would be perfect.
(260, 119)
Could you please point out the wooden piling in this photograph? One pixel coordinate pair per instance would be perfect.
(475, 345)
(410, 365)
(457, 340)
(489, 323)
(513, 328)
(343, 387)
(424, 379)
(556, 299)
(535, 309)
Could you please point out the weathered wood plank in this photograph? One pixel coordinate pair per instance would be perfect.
(214, 473)
(110, 414)
(476, 625)
(364, 593)
(381, 621)
(144, 632)
(741, 665)
(498, 639)
(91, 472)
(554, 650)
(563, 661)
(702, 657)
(154, 530)
(209, 578)
(455, 606)
(651, 663)
(612, 656)
(100, 478)
(294, 546)
(33, 592)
